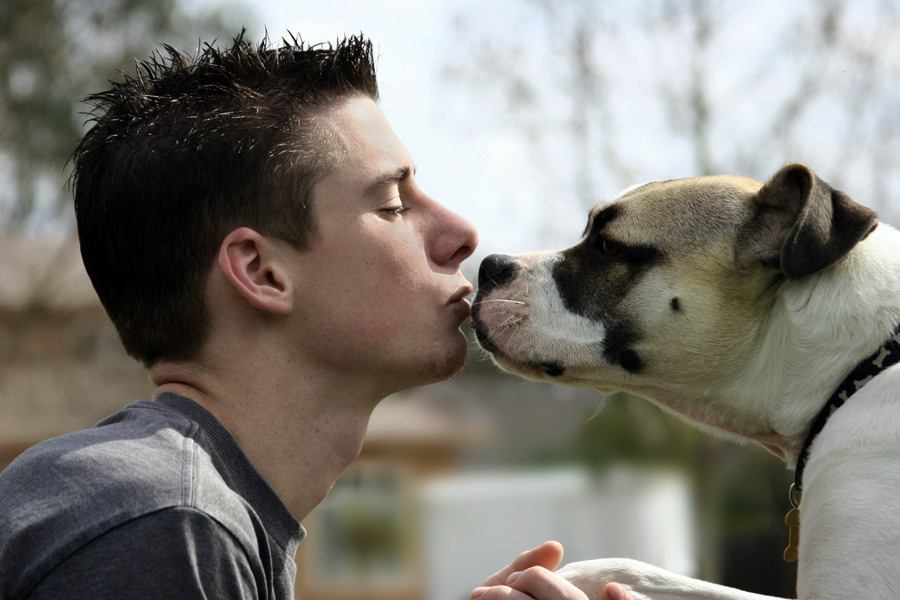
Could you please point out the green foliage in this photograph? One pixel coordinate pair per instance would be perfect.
(53, 53)
(628, 429)
(754, 494)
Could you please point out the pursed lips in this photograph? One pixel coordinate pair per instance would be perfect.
(459, 302)
(461, 295)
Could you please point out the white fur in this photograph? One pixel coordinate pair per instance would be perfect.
(646, 582)
(816, 331)
(850, 511)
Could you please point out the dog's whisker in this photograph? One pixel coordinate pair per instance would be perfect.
(498, 312)
(513, 316)
(501, 300)
(513, 320)
(600, 406)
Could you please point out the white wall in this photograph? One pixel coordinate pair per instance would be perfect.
(476, 523)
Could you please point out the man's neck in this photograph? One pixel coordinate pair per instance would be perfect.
(299, 437)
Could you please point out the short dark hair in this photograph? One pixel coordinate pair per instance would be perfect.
(186, 150)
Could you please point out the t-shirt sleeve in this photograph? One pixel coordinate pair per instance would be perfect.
(176, 552)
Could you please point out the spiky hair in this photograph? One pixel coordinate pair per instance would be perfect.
(188, 148)
(220, 91)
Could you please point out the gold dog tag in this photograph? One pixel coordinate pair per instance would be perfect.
(792, 520)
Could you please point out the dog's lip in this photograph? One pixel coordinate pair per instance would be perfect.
(552, 369)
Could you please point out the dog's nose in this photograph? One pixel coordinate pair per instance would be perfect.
(496, 270)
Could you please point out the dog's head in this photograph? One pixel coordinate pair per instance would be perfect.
(669, 283)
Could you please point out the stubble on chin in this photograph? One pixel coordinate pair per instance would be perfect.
(445, 361)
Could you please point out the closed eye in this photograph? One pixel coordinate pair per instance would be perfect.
(395, 210)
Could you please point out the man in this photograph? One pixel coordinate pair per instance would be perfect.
(254, 229)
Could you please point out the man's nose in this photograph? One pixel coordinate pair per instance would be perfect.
(496, 270)
(457, 241)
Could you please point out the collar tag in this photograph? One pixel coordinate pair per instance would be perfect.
(792, 520)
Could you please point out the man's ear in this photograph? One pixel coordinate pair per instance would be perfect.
(254, 269)
(802, 225)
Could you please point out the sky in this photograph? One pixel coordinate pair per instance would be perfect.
(481, 173)
(471, 146)
(465, 158)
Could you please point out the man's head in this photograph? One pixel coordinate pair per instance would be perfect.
(256, 202)
(187, 150)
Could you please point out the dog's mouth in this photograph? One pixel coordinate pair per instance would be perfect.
(534, 369)
(531, 368)
(481, 333)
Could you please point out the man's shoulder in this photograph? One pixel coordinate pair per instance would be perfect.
(133, 567)
(61, 494)
(137, 448)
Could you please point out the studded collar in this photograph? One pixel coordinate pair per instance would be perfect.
(887, 355)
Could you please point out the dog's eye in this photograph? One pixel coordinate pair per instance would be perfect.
(607, 247)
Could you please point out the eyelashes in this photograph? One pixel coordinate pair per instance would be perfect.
(395, 212)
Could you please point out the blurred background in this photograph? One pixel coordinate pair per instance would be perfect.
(521, 114)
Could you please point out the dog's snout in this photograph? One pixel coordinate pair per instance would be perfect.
(496, 270)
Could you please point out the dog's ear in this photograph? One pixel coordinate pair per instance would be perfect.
(801, 224)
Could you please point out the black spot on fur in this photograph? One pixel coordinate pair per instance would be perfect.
(630, 361)
(617, 347)
(593, 283)
(676, 304)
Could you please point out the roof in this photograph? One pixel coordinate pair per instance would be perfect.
(46, 271)
(413, 419)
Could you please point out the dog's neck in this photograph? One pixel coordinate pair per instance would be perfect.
(820, 328)
(817, 331)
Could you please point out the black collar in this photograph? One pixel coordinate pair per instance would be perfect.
(888, 354)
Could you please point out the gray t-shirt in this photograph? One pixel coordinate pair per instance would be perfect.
(155, 501)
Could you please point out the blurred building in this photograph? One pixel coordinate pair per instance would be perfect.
(61, 364)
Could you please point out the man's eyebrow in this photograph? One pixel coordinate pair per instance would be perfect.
(390, 177)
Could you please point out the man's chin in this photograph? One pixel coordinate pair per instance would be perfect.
(453, 361)
(445, 360)
(431, 364)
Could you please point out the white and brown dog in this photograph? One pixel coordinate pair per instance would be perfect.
(752, 311)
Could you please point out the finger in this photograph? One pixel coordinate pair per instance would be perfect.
(614, 591)
(499, 592)
(539, 582)
(547, 555)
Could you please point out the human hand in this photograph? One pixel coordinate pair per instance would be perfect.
(548, 555)
(538, 583)
(530, 577)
